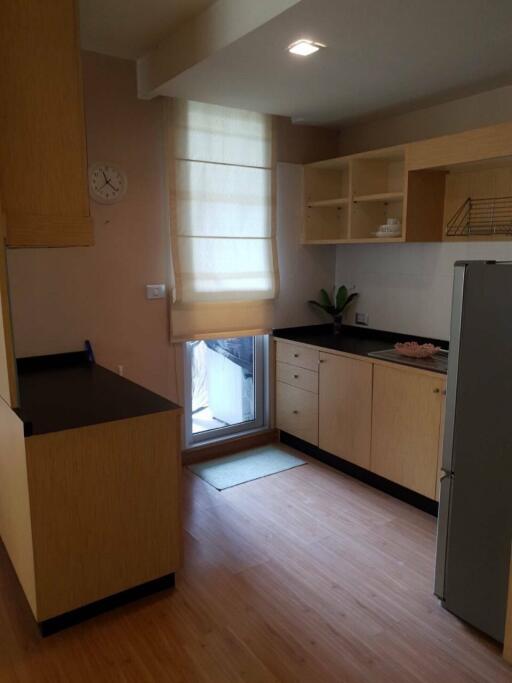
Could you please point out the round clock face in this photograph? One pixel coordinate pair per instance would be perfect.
(107, 183)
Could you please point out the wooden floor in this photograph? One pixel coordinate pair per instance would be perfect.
(306, 575)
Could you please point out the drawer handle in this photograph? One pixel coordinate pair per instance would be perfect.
(440, 391)
(295, 412)
(295, 377)
(437, 391)
(295, 355)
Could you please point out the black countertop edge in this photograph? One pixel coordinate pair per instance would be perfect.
(67, 391)
(357, 341)
(55, 361)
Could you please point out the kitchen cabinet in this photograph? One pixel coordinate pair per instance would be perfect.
(406, 427)
(43, 166)
(297, 391)
(89, 487)
(345, 408)
(454, 187)
(384, 417)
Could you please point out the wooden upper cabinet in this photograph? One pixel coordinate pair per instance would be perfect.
(345, 408)
(43, 164)
(407, 412)
(479, 144)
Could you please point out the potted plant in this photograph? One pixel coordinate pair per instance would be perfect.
(335, 309)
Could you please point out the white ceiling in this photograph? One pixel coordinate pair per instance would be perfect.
(382, 55)
(129, 28)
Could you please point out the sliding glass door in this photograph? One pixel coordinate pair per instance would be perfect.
(224, 387)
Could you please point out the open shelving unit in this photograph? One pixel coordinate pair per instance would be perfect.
(454, 187)
(347, 199)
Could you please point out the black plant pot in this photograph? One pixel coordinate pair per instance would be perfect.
(337, 322)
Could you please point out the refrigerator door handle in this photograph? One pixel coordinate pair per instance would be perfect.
(442, 532)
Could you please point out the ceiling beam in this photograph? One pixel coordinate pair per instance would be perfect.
(195, 40)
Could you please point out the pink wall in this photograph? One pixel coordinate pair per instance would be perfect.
(62, 296)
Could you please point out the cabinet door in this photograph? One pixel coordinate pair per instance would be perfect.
(43, 167)
(406, 427)
(345, 391)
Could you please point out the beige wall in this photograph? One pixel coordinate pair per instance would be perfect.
(62, 296)
(483, 109)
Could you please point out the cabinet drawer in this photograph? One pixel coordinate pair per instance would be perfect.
(297, 355)
(297, 412)
(297, 377)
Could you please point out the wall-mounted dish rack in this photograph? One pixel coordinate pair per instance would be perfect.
(485, 216)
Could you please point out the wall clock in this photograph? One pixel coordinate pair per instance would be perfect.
(107, 183)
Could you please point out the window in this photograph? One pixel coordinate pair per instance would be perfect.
(225, 387)
(224, 262)
(223, 234)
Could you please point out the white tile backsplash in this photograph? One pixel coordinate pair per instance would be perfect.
(407, 287)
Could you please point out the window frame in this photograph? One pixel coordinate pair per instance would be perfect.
(261, 398)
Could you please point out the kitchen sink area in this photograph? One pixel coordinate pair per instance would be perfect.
(437, 363)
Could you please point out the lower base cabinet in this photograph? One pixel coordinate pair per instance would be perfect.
(345, 408)
(90, 512)
(406, 427)
(385, 418)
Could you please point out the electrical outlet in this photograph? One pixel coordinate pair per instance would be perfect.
(362, 319)
(155, 291)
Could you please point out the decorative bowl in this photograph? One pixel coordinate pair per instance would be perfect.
(415, 350)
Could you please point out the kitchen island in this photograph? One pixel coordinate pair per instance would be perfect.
(90, 471)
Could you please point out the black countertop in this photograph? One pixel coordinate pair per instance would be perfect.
(359, 341)
(66, 391)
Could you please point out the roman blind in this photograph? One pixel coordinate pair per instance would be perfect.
(222, 219)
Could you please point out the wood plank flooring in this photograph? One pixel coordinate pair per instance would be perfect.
(304, 576)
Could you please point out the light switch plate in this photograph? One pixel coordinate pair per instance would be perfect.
(155, 291)
(362, 319)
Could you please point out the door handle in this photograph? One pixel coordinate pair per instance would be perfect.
(445, 474)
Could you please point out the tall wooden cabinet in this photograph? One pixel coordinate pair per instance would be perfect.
(43, 166)
(407, 412)
(345, 408)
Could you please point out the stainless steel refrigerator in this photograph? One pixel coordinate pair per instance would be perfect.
(475, 510)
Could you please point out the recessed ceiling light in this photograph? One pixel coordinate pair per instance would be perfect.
(304, 47)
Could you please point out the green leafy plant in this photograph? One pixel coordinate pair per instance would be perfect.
(341, 301)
